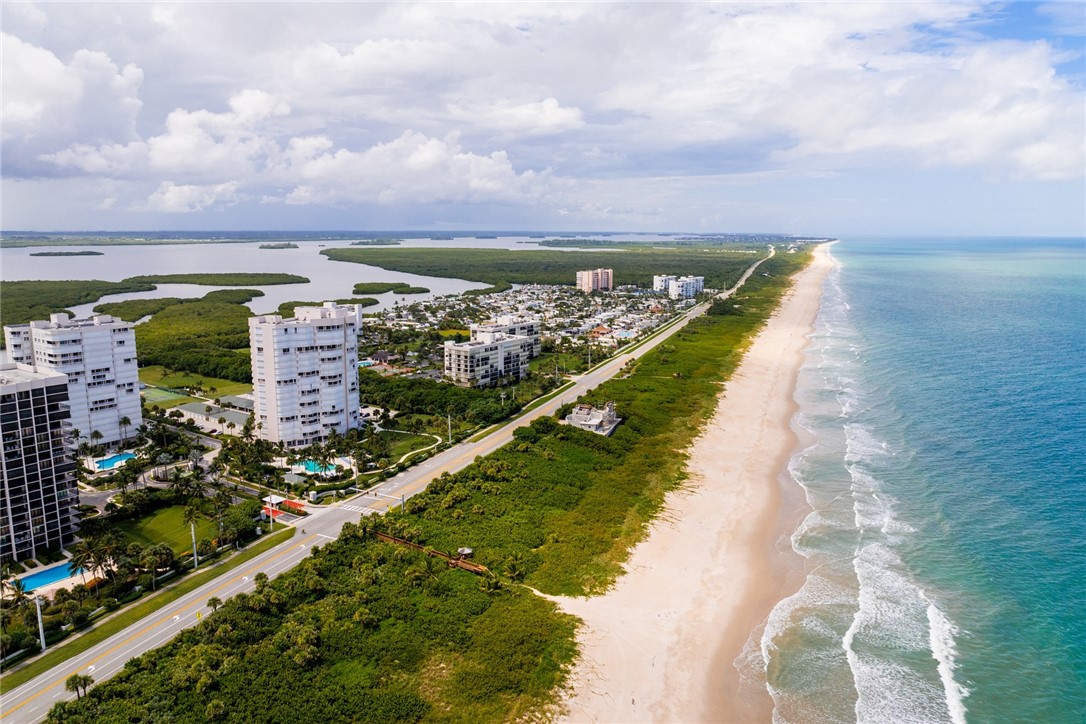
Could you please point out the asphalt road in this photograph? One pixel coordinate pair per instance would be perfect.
(32, 701)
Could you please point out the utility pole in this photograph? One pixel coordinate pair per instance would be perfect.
(448, 419)
(195, 558)
(41, 626)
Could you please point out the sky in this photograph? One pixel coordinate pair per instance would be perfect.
(810, 118)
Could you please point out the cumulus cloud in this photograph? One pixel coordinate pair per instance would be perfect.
(533, 119)
(545, 105)
(186, 198)
(48, 103)
(412, 168)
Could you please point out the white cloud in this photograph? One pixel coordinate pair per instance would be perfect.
(532, 119)
(541, 105)
(186, 198)
(413, 168)
(45, 100)
(210, 144)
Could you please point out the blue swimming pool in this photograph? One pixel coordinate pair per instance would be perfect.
(47, 576)
(312, 466)
(113, 461)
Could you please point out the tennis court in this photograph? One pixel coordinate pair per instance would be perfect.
(156, 395)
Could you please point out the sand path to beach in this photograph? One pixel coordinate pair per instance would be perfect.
(660, 645)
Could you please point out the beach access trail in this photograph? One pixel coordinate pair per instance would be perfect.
(660, 645)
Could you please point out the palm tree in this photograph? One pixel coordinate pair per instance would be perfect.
(163, 460)
(213, 603)
(125, 423)
(19, 595)
(190, 517)
(222, 422)
(80, 593)
(149, 561)
(95, 436)
(81, 560)
(78, 684)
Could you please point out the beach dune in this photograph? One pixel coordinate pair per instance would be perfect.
(660, 645)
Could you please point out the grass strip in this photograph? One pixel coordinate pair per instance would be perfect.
(141, 610)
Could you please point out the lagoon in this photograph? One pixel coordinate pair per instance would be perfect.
(328, 279)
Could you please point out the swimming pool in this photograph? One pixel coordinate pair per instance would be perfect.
(312, 466)
(113, 461)
(47, 576)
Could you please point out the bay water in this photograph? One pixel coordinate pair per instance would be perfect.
(942, 406)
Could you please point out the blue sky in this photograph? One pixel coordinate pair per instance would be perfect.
(808, 118)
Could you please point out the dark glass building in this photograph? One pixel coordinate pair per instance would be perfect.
(38, 491)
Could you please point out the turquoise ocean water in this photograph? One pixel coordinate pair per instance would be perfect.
(944, 397)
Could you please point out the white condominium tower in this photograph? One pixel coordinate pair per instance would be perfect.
(38, 493)
(305, 373)
(98, 356)
(595, 280)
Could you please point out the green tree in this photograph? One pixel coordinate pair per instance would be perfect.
(191, 515)
(78, 684)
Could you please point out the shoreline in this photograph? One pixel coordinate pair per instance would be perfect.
(660, 645)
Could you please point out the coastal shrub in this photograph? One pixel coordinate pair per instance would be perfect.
(356, 633)
(200, 337)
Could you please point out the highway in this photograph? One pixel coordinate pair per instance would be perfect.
(32, 701)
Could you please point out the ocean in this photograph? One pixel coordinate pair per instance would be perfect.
(942, 405)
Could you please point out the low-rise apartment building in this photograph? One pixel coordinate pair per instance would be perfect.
(498, 350)
(488, 359)
(685, 287)
(662, 282)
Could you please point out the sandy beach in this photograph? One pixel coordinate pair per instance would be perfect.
(660, 645)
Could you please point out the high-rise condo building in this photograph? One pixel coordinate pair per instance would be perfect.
(595, 280)
(38, 493)
(98, 356)
(305, 373)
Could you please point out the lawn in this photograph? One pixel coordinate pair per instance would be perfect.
(154, 375)
(405, 442)
(167, 526)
